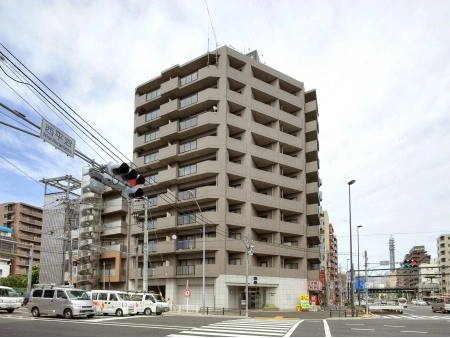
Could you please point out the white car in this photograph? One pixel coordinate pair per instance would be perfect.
(421, 303)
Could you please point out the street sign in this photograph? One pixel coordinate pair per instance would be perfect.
(54, 136)
(384, 262)
(187, 293)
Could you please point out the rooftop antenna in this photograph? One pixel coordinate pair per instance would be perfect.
(214, 33)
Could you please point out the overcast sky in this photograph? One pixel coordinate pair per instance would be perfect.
(381, 70)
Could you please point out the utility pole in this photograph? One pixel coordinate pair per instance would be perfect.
(104, 275)
(365, 284)
(249, 252)
(145, 248)
(30, 268)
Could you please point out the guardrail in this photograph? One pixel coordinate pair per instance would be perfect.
(344, 312)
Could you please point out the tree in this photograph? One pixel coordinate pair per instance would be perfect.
(35, 274)
(21, 281)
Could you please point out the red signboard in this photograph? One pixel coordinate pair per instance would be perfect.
(322, 277)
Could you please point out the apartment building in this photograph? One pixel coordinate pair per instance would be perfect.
(22, 224)
(443, 257)
(411, 277)
(228, 145)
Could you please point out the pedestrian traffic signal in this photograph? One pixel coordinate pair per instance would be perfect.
(255, 280)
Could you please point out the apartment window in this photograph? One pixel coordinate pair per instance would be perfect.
(188, 78)
(151, 136)
(186, 194)
(235, 235)
(151, 157)
(152, 115)
(188, 123)
(235, 210)
(151, 179)
(186, 218)
(293, 266)
(152, 200)
(187, 170)
(153, 94)
(186, 101)
(210, 260)
(188, 146)
(264, 264)
(234, 261)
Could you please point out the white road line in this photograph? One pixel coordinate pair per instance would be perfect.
(288, 334)
(362, 329)
(394, 325)
(413, 331)
(326, 328)
(355, 324)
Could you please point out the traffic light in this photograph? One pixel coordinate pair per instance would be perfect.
(407, 264)
(413, 263)
(255, 280)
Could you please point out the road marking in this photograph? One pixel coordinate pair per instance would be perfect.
(413, 331)
(288, 334)
(394, 325)
(355, 324)
(326, 328)
(363, 329)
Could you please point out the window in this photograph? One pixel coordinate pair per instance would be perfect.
(263, 264)
(186, 101)
(113, 297)
(186, 194)
(235, 235)
(151, 157)
(188, 78)
(235, 210)
(49, 293)
(151, 95)
(61, 294)
(152, 200)
(191, 145)
(151, 179)
(102, 296)
(151, 136)
(235, 261)
(293, 266)
(152, 115)
(187, 170)
(188, 123)
(187, 218)
(38, 293)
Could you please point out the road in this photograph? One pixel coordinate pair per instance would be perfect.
(414, 322)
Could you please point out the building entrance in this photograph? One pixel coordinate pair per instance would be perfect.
(255, 298)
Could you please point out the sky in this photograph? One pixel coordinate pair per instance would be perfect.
(380, 69)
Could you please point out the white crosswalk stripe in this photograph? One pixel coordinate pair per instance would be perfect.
(415, 317)
(241, 327)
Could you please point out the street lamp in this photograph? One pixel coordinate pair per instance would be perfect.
(204, 252)
(352, 296)
(359, 281)
(347, 282)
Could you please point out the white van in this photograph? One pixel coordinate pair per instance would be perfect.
(9, 299)
(60, 301)
(403, 302)
(145, 303)
(112, 302)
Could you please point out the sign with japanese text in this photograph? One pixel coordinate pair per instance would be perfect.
(54, 136)
(314, 285)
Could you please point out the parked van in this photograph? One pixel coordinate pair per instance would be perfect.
(441, 304)
(145, 303)
(9, 299)
(112, 302)
(402, 301)
(60, 301)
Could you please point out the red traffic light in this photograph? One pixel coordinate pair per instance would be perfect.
(137, 181)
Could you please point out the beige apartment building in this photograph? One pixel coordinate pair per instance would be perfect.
(25, 222)
(443, 258)
(231, 144)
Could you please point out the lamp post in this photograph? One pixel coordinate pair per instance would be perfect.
(204, 252)
(352, 296)
(347, 282)
(359, 282)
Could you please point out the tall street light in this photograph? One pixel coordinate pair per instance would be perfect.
(352, 296)
(359, 278)
(204, 253)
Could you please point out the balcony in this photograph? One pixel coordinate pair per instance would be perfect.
(115, 228)
(312, 171)
(118, 205)
(312, 193)
(313, 233)
(312, 151)
(311, 130)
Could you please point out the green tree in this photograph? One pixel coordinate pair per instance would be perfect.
(21, 281)
(35, 274)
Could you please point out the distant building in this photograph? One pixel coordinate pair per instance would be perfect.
(430, 278)
(411, 277)
(443, 254)
(331, 280)
(22, 223)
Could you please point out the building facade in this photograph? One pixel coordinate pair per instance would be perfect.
(411, 277)
(228, 145)
(443, 254)
(22, 223)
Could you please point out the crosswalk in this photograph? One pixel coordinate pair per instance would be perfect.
(247, 327)
(442, 317)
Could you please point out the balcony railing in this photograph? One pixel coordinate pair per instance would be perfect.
(186, 270)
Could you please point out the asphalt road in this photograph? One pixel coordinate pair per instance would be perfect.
(414, 322)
